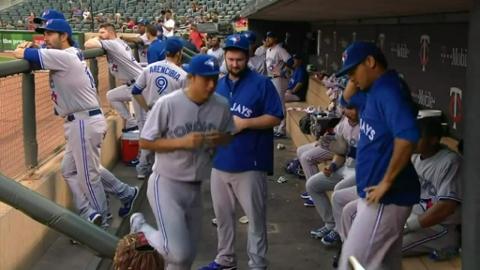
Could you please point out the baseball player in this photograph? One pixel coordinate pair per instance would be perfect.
(255, 62)
(47, 15)
(161, 78)
(184, 141)
(276, 59)
(75, 99)
(298, 83)
(240, 168)
(341, 168)
(156, 50)
(148, 35)
(123, 66)
(126, 69)
(387, 183)
(432, 223)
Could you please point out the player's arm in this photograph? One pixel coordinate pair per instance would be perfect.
(337, 163)
(93, 43)
(163, 145)
(138, 89)
(297, 87)
(433, 216)
(131, 39)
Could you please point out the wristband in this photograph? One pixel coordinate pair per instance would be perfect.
(413, 223)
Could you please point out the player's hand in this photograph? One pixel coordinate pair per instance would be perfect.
(216, 138)
(327, 171)
(240, 124)
(375, 193)
(193, 140)
(24, 45)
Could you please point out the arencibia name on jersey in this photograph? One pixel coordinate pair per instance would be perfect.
(165, 70)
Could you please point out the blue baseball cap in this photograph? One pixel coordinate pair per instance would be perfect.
(55, 25)
(250, 36)
(236, 41)
(173, 45)
(356, 53)
(203, 65)
(47, 15)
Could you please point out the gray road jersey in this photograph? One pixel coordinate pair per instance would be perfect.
(351, 136)
(72, 84)
(174, 116)
(120, 58)
(160, 78)
(439, 178)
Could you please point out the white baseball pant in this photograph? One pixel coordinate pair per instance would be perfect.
(374, 236)
(177, 206)
(317, 187)
(281, 85)
(310, 156)
(250, 189)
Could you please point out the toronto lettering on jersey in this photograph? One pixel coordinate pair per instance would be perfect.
(165, 70)
(366, 129)
(245, 111)
(180, 131)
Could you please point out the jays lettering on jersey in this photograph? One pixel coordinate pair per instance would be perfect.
(251, 96)
(386, 113)
(174, 116)
(158, 79)
(72, 84)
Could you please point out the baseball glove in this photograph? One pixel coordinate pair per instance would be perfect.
(134, 253)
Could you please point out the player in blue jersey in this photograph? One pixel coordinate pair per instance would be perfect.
(240, 168)
(387, 183)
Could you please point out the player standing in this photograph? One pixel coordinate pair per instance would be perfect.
(161, 78)
(241, 167)
(183, 128)
(125, 69)
(387, 183)
(75, 99)
(276, 59)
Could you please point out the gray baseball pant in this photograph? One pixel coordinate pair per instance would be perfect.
(177, 206)
(426, 240)
(250, 189)
(374, 236)
(341, 196)
(310, 156)
(281, 85)
(317, 187)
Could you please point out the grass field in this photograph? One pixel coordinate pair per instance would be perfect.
(5, 59)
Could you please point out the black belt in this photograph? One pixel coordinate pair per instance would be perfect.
(71, 117)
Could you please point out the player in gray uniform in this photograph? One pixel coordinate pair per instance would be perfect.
(432, 225)
(123, 66)
(75, 99)
(161, 78)
(341, 168)
(276, 59)
(184, 142)
(126, 69)
(143, 41)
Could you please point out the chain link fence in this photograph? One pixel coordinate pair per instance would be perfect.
(50, 132)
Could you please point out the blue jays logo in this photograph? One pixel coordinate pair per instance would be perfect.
(235, 38)
(344, 56)
(161, 84)
(210, 63)
(45, 13)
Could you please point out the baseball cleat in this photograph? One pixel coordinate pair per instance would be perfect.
(128, 206)
(332, 239)
(320, 232)
(305, 195)
(137, 220)
(308, 203)
(96, 219)
(215, 266)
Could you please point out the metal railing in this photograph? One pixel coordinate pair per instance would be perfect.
(29, 115)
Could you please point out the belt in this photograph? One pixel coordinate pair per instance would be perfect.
(82, 114)
(130, 83)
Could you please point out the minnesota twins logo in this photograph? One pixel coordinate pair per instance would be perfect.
(161, 84)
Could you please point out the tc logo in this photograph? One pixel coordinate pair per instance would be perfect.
(456, 106)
